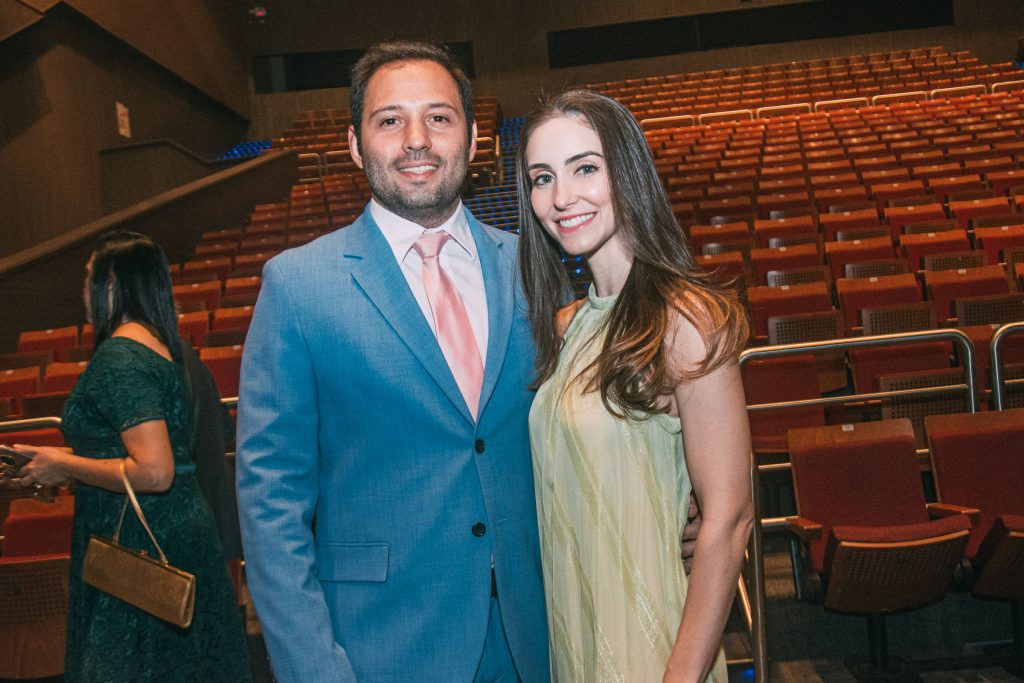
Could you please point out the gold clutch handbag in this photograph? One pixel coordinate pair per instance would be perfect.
(152, 585)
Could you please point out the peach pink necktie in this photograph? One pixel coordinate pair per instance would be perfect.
(454, 333)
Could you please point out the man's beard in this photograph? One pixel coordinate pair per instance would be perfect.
(424, 206)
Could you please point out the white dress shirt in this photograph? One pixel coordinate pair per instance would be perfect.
(458, 258)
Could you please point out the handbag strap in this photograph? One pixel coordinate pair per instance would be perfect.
(138, 511)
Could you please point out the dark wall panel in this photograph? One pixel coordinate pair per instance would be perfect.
(202, 41)
(59, 82)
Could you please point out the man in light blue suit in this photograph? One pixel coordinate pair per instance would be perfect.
(389, 523)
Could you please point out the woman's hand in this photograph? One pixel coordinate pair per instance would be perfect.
(48, 466)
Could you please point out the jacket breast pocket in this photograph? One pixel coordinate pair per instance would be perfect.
(352, 561)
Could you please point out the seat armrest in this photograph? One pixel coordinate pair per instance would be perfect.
(942, 510)
(804, 529)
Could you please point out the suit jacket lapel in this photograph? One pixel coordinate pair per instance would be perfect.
(380, 277)
(497, 262)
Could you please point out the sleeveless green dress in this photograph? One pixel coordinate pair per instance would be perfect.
(612, 497)
(127, 384)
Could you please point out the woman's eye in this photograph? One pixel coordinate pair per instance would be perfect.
(587, 169)
(541, 179)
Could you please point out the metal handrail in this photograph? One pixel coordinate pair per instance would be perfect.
(7, 426)
(998, 383)
(902, 339)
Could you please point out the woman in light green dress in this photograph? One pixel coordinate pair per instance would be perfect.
(639, 395)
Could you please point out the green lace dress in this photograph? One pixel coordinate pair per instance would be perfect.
(127, 384)
(612, 496)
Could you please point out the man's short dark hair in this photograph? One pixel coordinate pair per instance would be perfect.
(387, 53)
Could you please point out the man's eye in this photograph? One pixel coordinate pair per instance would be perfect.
(390, 121)
(439, 118)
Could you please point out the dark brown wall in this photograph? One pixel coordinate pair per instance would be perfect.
(509, 41)
(59, 81)
(199, 40)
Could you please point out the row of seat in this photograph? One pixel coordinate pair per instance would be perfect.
(722, 90)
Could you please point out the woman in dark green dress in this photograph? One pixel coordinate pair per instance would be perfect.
(133, 403)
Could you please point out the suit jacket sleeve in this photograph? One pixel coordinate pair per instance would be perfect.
(278, 485)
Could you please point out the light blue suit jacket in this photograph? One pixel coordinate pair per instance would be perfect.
(362, 474)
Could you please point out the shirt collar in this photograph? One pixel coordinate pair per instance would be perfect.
(402, 233)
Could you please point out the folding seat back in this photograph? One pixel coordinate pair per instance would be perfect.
(997, 309)
(917, 408)
(798, 256)
(976, 458)
(232, 318)
(954, 260)
(62, 376)
(875, 268)
(777, 380)
(809, 327)
(945, 286)
(225, 364)
(863, 474)
(37, 528)
(841, 253)
(194, 326)
(17, 382)
(797, 276)
(860, 293)
(53, 339)
(766, 302)
(207, 292)
(35, 591)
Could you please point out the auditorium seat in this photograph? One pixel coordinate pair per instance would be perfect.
(62, 376)
(206, 292)
(798, 256)
(839, 254)
(867, 529)
(194, 326)
(855, 294)
(996, 239)
(766, 302)
(917, 246)
(17, 382)
(225, 364)
(945, 286)
(976, 462)
(48, 340)
(776, 380)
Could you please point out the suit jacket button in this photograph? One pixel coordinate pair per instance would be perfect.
(479, 446)
(479, 529)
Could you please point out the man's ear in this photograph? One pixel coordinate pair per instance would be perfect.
(353, 146)
(472, 141)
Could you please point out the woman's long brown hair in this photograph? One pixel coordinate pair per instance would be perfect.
(631, 372)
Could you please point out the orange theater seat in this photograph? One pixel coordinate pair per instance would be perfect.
(62, 376)
(856, 294)
(206, 292)
(17, 382)
(768, 302)
(225, 363)
(945, 286)
(54, 339)
(37, 528)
